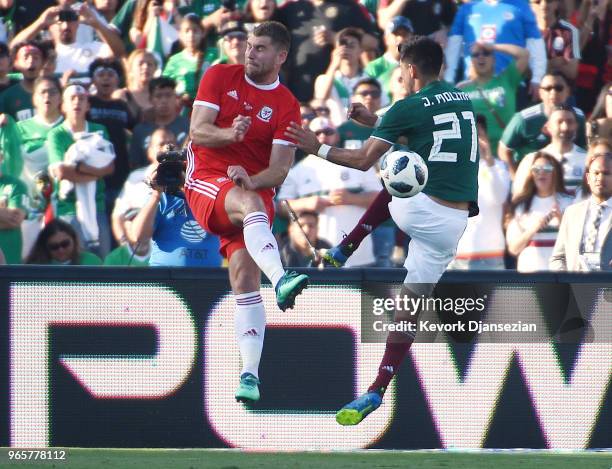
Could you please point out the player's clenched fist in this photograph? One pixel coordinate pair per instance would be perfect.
(240, 177)
(240, 126)
(359, 113)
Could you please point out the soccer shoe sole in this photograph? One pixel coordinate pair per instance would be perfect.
(289, 302)
(348, 417)
(247, 396)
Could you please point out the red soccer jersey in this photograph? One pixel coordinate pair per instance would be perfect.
(272, 107)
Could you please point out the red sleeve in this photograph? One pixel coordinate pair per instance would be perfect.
(291, 114)
(209, 91)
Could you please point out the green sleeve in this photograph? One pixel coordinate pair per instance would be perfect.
(55, 149)
(512, 136)
(512, 75)
(18, 196)
(169, 69)
(87, 258)
(370, 70)
(10, 145)
(394, 122)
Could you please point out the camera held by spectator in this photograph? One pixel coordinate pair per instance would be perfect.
(170, 174)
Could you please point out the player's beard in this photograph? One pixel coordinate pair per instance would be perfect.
(257, 74)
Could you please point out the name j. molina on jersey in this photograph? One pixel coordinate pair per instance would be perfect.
(445, 97)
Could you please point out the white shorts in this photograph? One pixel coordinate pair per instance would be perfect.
(434, 230)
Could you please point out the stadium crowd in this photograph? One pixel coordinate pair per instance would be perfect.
(91, 91)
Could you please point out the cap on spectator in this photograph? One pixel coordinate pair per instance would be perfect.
(321, 123)
(399, 22)
(232, 27)
(4, 50)
(72, 90)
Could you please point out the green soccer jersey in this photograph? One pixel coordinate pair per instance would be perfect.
(17, 102)
(440, 125)
(123, 255)
(497, 97)
(13, 194)
(33, 135)
(353, 135)
(10, 145)
(183, 68)
(525, 132)
(59, 141)
(381, 69)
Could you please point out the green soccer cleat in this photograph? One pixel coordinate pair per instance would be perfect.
(248, 389)
(354, 412)
(289, 286)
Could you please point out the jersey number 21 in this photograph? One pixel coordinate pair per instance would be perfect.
(454, 132)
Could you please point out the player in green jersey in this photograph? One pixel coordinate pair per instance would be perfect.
(439, 124)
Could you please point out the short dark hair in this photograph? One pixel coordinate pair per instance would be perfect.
(424, 53)
(113, 64)
(277, 32)
(370, 81)
(565, 108)
(161, 82)
(558, 74)
(349, 32)
(50, 78)
(37, 45)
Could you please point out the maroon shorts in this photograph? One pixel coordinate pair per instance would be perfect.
(206, 199)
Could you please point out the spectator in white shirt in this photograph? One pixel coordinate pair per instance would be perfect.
(339, 195)
(536, 214)
(562, 126)
(62, 23)
(483, 243)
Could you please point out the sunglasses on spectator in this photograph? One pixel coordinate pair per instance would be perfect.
(325, 132)
(539, 169)
(557, 88)
(482, 53)
(61, 245)
(321, 110)
(309, 116)
(372, 93)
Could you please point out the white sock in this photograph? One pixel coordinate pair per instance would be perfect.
(250, 328)
(262, 246)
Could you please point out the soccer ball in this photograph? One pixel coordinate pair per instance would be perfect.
(404, 173)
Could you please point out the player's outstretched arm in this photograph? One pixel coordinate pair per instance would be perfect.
(362, 158)
(204, 132)
(281, 160)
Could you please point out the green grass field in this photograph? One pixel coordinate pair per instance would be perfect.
(229, 459)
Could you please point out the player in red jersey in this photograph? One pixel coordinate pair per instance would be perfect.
(237, 154)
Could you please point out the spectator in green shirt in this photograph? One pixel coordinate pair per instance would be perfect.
(17, 99)
(397, 32)
(58, 244)
(494, 95)
(187, 66)
(13, 200)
